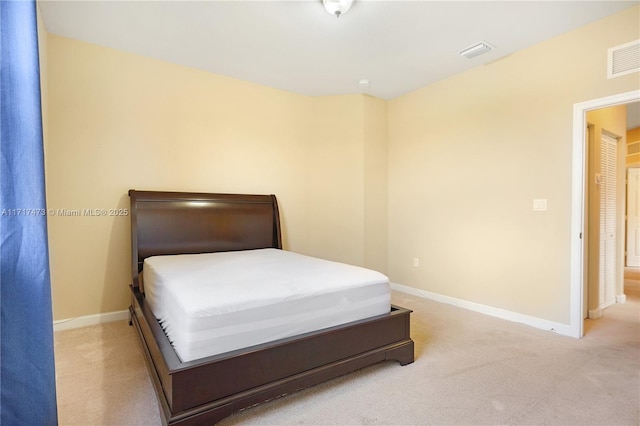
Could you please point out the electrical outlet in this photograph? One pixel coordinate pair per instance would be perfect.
(416, 262)
(540, 205)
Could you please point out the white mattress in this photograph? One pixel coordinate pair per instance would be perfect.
(213, 303)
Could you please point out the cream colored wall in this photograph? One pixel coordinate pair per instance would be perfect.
(347, 180)
(121, 121)
(336, 150)
(468, 155)
(612, 121)
(375, 184)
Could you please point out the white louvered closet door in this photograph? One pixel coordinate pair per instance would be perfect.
(608, 170)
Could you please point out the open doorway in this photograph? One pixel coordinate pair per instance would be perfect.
(606, 240)
(580, 290)
(632, 231)
(632, 260)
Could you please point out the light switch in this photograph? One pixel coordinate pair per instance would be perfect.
(540, 205)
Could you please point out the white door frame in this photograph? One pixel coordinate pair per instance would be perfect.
(577, 201)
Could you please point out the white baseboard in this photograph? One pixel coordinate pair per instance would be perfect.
(86, 321)
(594, 313)
(540, 323)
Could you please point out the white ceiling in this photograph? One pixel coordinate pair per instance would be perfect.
(297, 46)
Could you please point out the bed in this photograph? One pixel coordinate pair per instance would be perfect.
(199, 389)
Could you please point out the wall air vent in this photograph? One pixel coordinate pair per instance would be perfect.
(633, 148)
(623, 59)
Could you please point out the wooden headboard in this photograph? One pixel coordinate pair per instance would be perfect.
(185, 223)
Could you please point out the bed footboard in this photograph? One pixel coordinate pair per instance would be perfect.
(205, 391)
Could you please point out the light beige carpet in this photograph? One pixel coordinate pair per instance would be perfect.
(470, 369)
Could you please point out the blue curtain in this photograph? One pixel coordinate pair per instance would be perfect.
(27, 370)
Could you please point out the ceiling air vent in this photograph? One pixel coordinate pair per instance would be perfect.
(624, 59)
(476, 50)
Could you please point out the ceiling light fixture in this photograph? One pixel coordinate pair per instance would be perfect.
(337, 7)
(476, 49)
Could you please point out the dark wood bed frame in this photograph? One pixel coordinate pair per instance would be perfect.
(204, 391)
